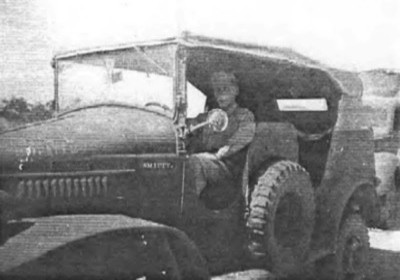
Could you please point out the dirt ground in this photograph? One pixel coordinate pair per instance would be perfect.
(384, 262)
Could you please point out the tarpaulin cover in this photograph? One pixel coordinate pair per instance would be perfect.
(264, 73)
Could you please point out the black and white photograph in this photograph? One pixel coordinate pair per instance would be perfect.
(219, 140)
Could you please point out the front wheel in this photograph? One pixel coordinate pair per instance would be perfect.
(281, 218)
(351, 255)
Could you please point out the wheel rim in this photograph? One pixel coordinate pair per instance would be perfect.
(353, 258)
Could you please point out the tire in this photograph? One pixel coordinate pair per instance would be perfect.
(351, 254)
(280, 236)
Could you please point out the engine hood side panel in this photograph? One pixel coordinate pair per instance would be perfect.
(97, 130)
(148, 187)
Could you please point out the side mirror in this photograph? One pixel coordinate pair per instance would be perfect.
(216, 118)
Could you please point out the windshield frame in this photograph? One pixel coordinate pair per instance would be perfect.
(177, 71)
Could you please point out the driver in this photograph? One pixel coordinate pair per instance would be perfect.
(219, 156)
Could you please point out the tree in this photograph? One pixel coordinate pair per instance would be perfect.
(18, 111)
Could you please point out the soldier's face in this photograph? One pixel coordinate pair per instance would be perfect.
(225, 94)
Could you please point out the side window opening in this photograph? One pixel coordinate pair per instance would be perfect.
(196, 101)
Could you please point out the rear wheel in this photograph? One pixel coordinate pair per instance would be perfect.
(281, 217)
(351, 255)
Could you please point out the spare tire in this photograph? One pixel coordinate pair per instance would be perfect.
(280, 220)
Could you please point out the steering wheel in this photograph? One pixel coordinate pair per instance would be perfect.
(162, 106)
(216, 118)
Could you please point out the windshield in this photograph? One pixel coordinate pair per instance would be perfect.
(137, 77)
(81, 85)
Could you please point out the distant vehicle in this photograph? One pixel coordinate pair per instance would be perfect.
(305, 196)
(381, 95)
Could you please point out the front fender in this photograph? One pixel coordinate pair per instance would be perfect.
(332, 206)
(99, 246)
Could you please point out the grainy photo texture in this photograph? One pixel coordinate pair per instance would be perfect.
(199, 140)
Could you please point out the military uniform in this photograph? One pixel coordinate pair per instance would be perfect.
(221, 156)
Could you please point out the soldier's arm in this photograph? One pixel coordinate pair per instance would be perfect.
(241, 138)
(197, 120)
(194, 139)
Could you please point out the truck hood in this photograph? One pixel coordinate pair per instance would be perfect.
(100, 129)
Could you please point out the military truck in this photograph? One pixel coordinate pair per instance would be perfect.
(381, 93)
(116, 150)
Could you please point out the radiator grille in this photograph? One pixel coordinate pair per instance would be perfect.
(84, 187)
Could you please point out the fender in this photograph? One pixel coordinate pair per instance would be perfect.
(333, 206)
(349, 174)
(154, 251)
(273, 141)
